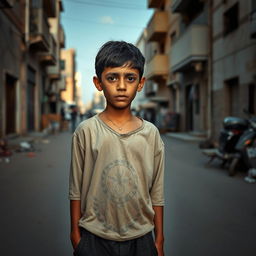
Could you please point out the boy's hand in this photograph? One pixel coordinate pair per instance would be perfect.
(75, 237)
(160, 248)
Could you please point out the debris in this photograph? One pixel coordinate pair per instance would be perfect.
(25, 145)
(4, 151)
(31, 154)
(251, 176)
(45, 141)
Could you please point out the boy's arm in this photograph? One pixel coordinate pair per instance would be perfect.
(159, 233)
(75, 214)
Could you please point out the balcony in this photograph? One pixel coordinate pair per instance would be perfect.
(62, 83)
(180, 5)
(49, 57)
(155, 3)
(192, 46)
(157, 68)
(50, 8)
(253, 24)
(6, 4)
(39, 30)
(158, 26)
(53, 71)
(62, 37)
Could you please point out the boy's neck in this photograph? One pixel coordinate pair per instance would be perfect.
(118, 114)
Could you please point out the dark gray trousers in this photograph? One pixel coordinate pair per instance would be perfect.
(92, 245)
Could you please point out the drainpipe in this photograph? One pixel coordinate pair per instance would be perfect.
(27, 14)
(210, 70)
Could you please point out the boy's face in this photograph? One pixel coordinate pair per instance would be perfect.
(120, 85)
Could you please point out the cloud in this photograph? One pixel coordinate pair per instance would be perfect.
(106, 20)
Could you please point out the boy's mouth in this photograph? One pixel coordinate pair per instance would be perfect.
(121, 97)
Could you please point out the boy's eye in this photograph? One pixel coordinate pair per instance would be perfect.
(131, 78)
(111, 78)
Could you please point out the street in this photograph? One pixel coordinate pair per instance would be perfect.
(206, 212)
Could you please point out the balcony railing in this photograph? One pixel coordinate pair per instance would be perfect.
(50, 57)
(155, 3)
(158, 26)
(191, 47)
(179, 5)
(39, 29)
(62, 83)
(157, 67)
(53, 71)
(253, 24)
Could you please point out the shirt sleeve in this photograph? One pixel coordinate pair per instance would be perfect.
(157, 189)
(76, 169)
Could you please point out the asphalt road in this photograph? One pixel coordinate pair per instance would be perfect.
(206, 212)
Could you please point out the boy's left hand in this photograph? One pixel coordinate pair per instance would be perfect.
(160, 249)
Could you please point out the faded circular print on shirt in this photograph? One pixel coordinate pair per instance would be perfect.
(119, 182)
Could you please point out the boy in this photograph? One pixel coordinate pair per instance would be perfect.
(116, 177)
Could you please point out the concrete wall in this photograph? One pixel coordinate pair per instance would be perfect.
(233, 56)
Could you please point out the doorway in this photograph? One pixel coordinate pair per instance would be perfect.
(10, 108)
(189, 108)
(31, 99)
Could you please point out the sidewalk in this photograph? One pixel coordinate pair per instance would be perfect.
(190, 137)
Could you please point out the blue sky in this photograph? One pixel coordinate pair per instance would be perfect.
(90, 23)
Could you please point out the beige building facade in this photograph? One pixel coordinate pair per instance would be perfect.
(69, 69)
(29, 48)
(201, 56)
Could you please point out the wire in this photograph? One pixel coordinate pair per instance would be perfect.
(138, 8)
(98, 23)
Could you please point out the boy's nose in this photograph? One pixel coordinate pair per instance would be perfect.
(121, 85)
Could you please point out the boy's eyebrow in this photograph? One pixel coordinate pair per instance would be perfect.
(118, 73)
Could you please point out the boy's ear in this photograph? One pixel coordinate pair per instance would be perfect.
(141, 84)
(97, 83)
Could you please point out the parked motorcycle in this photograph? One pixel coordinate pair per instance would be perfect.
(246, 151)
(237, 144)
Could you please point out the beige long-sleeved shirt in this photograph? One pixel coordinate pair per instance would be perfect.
(117, 177)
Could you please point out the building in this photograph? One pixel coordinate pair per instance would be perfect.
(140, 103)
(33, 37)
(157, 63)
(233, 60)
(68, 71)
(190, 48)
(204, 53)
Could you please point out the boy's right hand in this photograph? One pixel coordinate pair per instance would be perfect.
(75, 237)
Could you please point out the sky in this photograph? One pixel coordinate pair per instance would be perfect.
(88, 24)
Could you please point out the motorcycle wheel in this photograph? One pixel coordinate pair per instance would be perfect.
(233, 167)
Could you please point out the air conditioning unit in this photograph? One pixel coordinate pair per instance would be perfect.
(253, 24)
(6, 3)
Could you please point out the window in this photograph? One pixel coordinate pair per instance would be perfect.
(251, 101)
(62, 64)
(231, 19)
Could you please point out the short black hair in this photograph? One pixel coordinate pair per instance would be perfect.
(117, 54)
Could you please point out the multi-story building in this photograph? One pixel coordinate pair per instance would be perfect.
(157, 61)
(68, 71)
(30, 47)
(12, 48)
(140, 103)
(209, 50)
(233, 59)
(189, 55)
